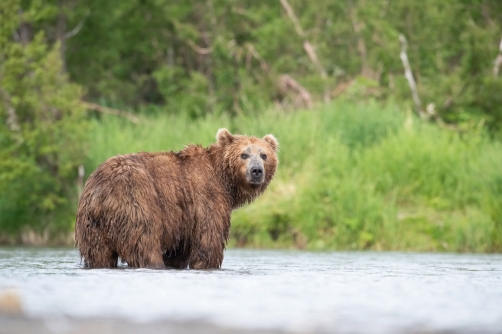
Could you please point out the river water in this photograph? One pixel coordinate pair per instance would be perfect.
(290, 291)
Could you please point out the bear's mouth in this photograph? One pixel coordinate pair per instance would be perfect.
(255, 180)
(255, 183)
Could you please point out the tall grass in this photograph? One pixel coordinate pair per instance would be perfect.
(351, 176)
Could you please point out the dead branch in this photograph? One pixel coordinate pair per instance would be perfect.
(409, 76)
(78, 27)
(110, 111)
(498, 61)
(313, 57)
(198, 49)
(252, 50)
(287, 84)
(309, 49)
(293, 18)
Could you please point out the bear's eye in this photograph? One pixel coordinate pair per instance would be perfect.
(263, 156)
(244, 156)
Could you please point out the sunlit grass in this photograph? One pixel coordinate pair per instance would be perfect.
(351, 176)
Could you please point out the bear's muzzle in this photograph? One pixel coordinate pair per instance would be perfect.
(255, 173)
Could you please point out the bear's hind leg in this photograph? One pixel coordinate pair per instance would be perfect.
(153, 260)
(177, 258)
(146, 252)
(100, 255)
(96, 250)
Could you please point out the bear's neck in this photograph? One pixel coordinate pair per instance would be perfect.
(237, 194)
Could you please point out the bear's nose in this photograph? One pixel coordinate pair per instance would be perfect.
(257, 171)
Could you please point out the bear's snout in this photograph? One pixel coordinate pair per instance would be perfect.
(256, 173)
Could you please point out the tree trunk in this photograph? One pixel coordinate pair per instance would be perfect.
(61, 34)
(25, 31)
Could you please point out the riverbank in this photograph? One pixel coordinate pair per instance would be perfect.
(20, 325)
(352, 176)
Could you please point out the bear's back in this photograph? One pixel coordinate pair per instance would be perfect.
(117, 188)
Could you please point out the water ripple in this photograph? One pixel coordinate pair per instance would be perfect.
(341, 292)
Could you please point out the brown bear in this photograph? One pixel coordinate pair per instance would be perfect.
(171, 208)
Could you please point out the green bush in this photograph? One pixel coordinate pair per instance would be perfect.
(42, 136)
(351, 176)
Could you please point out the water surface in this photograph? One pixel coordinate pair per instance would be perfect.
(286, 290)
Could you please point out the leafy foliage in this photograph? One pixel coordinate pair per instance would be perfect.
(218, 56)
(218, 62)
(41, 137)
(351, 176)
(411, 186)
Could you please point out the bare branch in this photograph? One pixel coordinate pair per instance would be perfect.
(309, 49)
(110, 111)
(288, 84)
(409, 76)
(255, 54)
(293, 18)
(198, 49)
(79, 26)
(313, 57)
(498, 61)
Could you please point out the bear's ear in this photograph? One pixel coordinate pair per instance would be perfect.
(224, 137)
(272, 141)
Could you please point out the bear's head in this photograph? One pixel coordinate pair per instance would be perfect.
(250, 161)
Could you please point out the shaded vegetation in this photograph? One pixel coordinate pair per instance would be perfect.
(41, 138)
(220, 56)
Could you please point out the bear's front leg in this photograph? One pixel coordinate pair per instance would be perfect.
(208, 246)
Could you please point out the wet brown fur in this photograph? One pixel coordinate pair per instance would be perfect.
(170, 208)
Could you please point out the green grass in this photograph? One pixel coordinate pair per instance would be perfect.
(351, 176)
